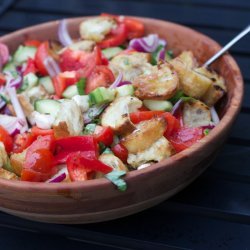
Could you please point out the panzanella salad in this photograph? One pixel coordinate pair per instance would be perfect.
(112, 101)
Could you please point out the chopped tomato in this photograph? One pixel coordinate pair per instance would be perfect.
(121, 152)
(143, 108)
(33, 43)
(59, 85)
(80, 61)
(140, 116)
(6, 139)
(2, 79)
(104, 135)
(38, 131)
(77, 171)
(185, 138)
(41, 54)
(38, 165)
(31, 67)
(135, 28)
(63, 80)
(101, 76)
(22, 141)
(173, 124)
(116, 37)
(39, 160)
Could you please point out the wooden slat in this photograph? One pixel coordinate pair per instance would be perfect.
(204, 16)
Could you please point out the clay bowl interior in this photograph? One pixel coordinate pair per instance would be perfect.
(98, 200)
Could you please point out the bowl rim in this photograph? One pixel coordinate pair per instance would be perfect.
(227, 119)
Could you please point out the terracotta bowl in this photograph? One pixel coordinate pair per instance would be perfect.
(98, 200)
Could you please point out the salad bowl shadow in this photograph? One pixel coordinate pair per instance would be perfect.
(98, 200)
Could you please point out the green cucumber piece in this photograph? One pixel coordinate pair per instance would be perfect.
(81, 86)
(10, 68)
(111, 52)
(125, 90)
(30, 80)
(158, 105)
(102, 95)
(23, 53)
(47, 83)
(70, 92)
(89, 129)
(47, 106)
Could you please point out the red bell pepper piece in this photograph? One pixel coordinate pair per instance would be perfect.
(65, 146)
(81, 166)
(121, 152)
(104, 135)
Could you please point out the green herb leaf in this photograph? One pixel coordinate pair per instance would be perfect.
(81, 86)
(206, 131)
(177, 96)
(115, 178)
(154, 55)
(107, 151)
(169, 55)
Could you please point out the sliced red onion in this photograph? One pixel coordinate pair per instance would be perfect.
(17, 107)
(93, 112)
(42, 121)
(59, 176)
(145, 44)
(124, 83)
(214, 115)
(11, 123)
(2, 103)
(63, 34)
(163, 42)
(4, 54)
(117, 81)
(51, 66)
(210, 126)
(176, 107)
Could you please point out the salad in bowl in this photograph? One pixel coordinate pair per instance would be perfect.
(112, 101)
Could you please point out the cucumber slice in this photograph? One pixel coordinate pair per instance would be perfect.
(47, 106)
(158, 105)
(23, 53)
(125, 90)
(102, 95)
(30, 80)
(70, 92)
(111, 52)
(47, 83)
(10, 68)
(89, 129)
(81, 86)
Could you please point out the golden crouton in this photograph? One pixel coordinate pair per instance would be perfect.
(160, 84)
(61, 130)
(17, 162)
(196, 114)
(158, 151)
(145, 135)
(5, 174)
(116, 115)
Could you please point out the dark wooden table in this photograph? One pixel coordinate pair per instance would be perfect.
(213, 212)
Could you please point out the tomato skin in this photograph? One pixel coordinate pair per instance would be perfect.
(135, 28)
(22, 141)
(140, 116)
(104, 135)
(173, 124)
(39, 160)
(59, 85)
(37, 131)
(2, 79)
(121, 152)
(41, 54)
(80, 61)
(6, 139)
(101, 76)
(115, 38)
(185, 138)
(30, 68)
(33, 43)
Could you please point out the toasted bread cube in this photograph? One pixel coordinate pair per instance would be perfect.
(116, 114)
(5, 174)
(158, 151)
(160, 84)
(145, 135)
(196, 114)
